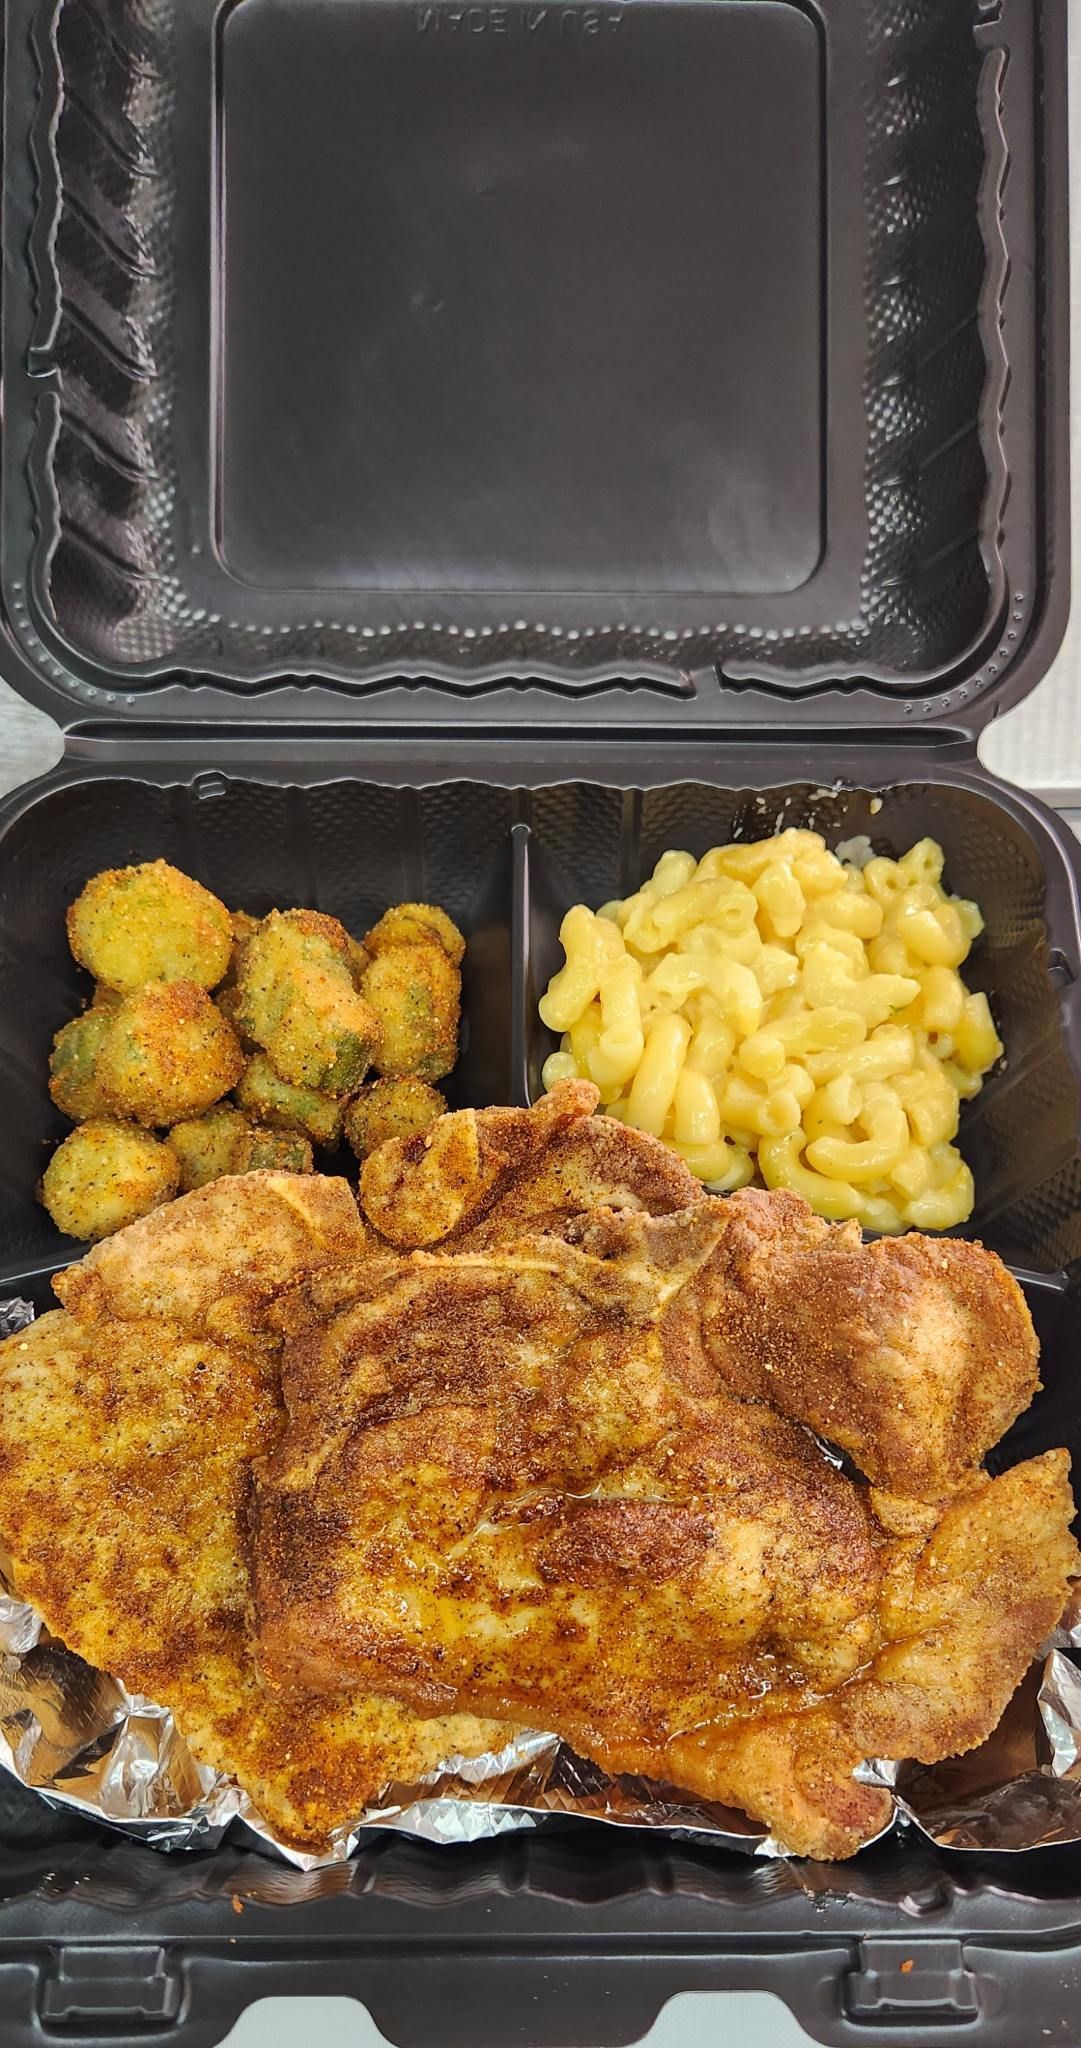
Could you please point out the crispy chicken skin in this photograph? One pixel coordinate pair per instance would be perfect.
(480, 1176)
(477, 1177)
(534, 1450)
(961, 1617)
(125, 1455)
(577, 1525)
(914, 1354)
(216, 1259)
(513, 1480)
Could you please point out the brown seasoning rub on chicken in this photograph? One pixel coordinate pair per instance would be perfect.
(538, 1497)
(550, 1468)
(478, 1176)
(914, 1354)
(126, 1442)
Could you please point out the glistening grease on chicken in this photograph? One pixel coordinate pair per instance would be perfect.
(552, 1468)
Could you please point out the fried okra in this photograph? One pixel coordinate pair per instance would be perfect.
(391, 1109)
(359, 960)
(298, 1001)
(73, 1078)
(284, 1151)
(226, 1141)
(416, 924)
(207, 1146)
(106, 1174)
(131, 926)
(415, 992)
(244, 924)
(228, 1001)
(270, 1100)
(243, 927)
(327, 1038)
(168, 1054)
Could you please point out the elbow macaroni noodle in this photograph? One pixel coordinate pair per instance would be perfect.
(774, 1007)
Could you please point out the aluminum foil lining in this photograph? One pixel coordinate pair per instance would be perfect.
(82, 1741)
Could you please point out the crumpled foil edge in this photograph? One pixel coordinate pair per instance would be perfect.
(82, 1741)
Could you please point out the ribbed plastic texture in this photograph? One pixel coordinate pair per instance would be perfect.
(135, 538)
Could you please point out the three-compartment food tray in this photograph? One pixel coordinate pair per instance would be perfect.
(458, 449)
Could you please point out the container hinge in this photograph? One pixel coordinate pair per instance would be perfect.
(131, 1985)
(911, 1983)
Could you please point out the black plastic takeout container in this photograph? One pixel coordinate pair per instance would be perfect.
(459, 450)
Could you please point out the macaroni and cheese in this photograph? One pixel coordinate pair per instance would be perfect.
(774, 1007)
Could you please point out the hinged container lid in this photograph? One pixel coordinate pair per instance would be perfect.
(664, 365)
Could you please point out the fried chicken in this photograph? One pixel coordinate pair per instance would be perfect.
(537, 1449)
(216, 1260)
(961, 1617)
(482, 1176)
(513, 1480)
(506, 1425)
(913, 1354)
(126, 1443)
(479, 1177)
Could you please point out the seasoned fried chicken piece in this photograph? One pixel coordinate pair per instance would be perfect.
(125, 1452)
(216, 1259)
(512, 1498)
(550, 1467)
(511, 1481)
(914, 1354)
(483, 1176)
(961, 1617)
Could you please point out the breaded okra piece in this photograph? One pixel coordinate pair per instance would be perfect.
(416, 994)
(298, 1001)
(416, 924)
(168, 1054)
(106, 1174)
(149, 923)
(270, 1100)
(391, 1109)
